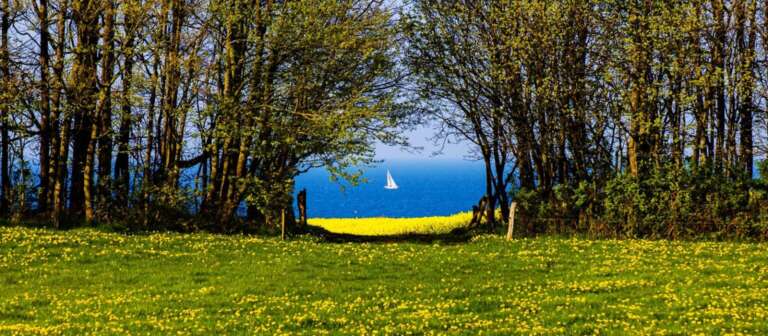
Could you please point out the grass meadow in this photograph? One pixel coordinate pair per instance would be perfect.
(91, 282)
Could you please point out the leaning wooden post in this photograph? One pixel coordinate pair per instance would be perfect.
(511, 229)
(282, 224)
(302, 200)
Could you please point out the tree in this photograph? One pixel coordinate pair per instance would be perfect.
(629, 117)
(45, 107)
(5, 106)
(320, 87)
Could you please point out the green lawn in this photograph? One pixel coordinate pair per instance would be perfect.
(85, 281)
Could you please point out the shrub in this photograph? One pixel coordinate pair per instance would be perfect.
(664, 203)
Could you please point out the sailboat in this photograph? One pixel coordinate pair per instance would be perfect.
(391, 185)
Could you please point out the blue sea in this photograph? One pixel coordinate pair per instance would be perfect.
(427, 187)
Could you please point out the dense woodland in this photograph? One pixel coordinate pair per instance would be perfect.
(614, 118)
(154, 112)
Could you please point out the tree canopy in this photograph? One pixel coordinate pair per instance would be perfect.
(620, 118)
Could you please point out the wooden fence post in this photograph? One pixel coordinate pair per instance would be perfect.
(282, 224)
(302, 200)
(478, 211)
(511, 229)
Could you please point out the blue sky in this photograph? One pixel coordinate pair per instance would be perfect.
(421, 138)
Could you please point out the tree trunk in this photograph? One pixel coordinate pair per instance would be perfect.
(641, 129)
(83, 85)
(719, 68)
(147, 178)
(122, 174)
(59, 195)
(5, 177)
(746, 155)
(45, 109)
(169, 139)
(235, 49)
(104, 110)
(60, 153)
(490, 195)
(88, 176)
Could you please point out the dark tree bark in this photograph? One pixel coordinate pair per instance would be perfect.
(5, 87)
(746, 108)
(45, 109)
(60, 143)
(122, 173)
(83, 92)
(719, 66)
(169, 139)
(104, 110)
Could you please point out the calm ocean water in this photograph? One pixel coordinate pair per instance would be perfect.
(428, 187)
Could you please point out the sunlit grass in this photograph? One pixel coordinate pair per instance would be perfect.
(383, 226)
(86, 282)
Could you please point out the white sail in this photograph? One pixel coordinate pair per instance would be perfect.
(391, 185)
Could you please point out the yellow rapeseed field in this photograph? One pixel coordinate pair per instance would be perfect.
(383, 226)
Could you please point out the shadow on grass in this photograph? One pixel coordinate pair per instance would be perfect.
(456, 236)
